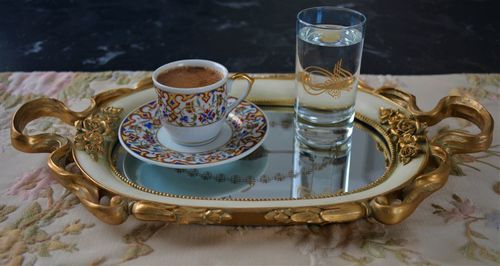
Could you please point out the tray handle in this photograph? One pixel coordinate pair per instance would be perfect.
(394, 207)
(453, 141)
(48, 107)
(32, 110)
(91, 197)
(114, 212)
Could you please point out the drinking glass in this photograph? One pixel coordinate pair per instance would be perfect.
(328, 59)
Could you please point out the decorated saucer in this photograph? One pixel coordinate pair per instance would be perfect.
(142, 135)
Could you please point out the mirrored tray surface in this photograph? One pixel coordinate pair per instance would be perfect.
(282, 168)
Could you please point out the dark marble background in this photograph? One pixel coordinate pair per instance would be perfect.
(402, 37)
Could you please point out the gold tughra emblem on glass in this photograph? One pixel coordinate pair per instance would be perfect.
(336, 81)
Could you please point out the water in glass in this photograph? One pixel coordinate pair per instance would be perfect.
(327, 68)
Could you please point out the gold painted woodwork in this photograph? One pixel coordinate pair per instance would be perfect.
(150, 211)
(405, 132)
(93, 131)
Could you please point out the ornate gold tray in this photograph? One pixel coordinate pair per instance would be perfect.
(400, 165)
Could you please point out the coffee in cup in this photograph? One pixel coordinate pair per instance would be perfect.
(189, 77)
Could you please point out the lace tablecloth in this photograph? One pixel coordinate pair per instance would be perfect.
(42, 224)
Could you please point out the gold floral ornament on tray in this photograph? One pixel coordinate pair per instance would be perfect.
(405, 132)
(336, 81)
(93, 130)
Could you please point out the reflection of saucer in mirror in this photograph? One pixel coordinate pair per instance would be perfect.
(212, 182)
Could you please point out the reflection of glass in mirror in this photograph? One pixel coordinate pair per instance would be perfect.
(319, 172)
(368, 158)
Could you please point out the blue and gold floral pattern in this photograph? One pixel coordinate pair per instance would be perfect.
(199, 109)
(138, 133)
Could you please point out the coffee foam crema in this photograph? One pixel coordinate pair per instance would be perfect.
(189, 77)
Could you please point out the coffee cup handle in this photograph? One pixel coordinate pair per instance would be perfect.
(229, 85)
